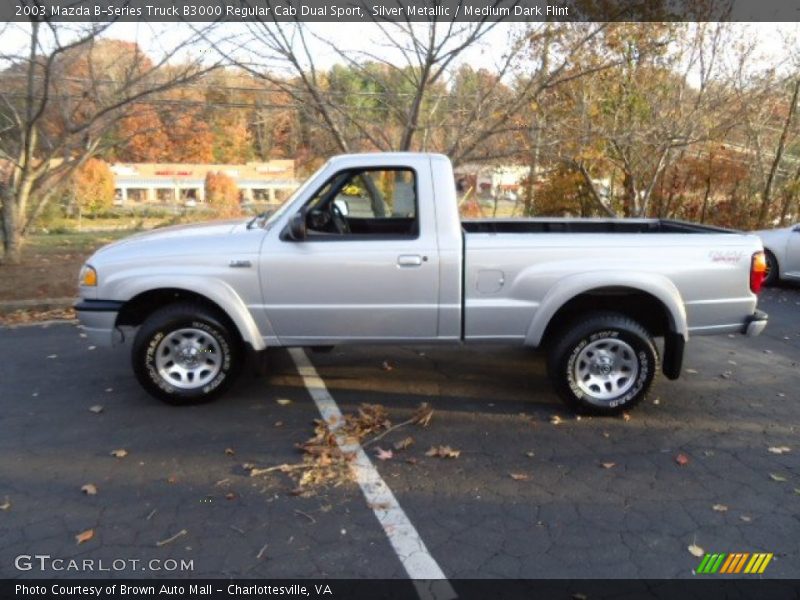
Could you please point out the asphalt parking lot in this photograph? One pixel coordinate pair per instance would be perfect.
(590, 497)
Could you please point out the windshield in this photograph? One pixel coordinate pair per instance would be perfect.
(285, 206)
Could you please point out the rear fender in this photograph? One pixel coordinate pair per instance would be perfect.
(569, 287)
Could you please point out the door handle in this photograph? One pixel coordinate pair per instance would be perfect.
(409, 260)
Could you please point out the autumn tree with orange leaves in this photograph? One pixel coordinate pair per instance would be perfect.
(62, 97)
(222, 195)
(93, 187)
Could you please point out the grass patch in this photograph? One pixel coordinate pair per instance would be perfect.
(84, 241)
(51, 263)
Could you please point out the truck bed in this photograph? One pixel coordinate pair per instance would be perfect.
(572, 225)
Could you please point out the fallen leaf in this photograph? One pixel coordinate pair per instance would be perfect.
(443, 452)
(386, 366)
(89, 489)
(248, 466)
(283, 401)
(382, 454)
(172, 479)
(608, 465)
(555, 420)
(422, 416)
(779, 449)
(719, 508)
(121, 453)
(96, 409)
(696, 550)
(411, 461)
(626, 417)
(84, 536)
(519, 476)
(230, 496)
(776, 477)
(404, 443)
(682, 459)
(6, 504)
(230, 451)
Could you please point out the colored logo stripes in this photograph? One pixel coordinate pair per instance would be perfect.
(737, 562)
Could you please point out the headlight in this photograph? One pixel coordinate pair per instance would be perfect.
(88, 276)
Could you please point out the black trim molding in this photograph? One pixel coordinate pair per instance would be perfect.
(99, 306)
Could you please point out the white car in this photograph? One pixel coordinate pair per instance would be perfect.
(782, 247)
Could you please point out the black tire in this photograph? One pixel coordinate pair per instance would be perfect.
(201, 328)
(604, 364)
(772, 275)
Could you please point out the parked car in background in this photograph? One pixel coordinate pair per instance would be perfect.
(782, 247)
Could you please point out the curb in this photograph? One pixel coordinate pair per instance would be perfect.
(36, 304)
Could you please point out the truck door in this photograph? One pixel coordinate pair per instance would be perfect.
(366, 266)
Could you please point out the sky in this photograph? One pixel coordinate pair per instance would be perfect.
(156, 38)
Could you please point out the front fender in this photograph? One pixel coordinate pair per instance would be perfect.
(569, 287)
(217, 291)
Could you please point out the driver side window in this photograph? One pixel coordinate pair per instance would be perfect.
(365, 203)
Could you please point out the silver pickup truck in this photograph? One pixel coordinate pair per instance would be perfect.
(371, 250)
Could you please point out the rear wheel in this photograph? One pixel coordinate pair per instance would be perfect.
(185, 354)
(771, 274)
(603, 364)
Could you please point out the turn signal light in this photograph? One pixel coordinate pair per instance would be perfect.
(88, 276)
(758, 270)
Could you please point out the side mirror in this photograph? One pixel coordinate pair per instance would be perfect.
(297, 226)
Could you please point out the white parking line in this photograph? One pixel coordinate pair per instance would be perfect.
(403, 536)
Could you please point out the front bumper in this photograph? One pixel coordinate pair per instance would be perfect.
(755, 323)
(98, 319)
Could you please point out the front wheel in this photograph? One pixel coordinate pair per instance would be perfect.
(604, 364)
(184, 354)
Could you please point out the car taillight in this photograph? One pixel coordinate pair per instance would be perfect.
(758, 270)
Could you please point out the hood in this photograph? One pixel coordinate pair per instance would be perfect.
(179, 232)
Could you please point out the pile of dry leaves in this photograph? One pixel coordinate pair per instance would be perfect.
(324, 463)
(23, 317)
